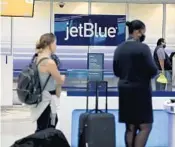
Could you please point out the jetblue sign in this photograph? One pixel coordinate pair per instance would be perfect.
(90, 30)
(85, 30)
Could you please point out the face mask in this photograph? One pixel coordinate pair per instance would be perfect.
(164, 45)
(142, 38)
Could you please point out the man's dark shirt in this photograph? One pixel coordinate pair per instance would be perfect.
(165, 57)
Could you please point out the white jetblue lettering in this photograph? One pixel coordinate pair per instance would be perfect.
(73, 31)
(90, 30)
(111, 32)
(96, 30)
(81, 30)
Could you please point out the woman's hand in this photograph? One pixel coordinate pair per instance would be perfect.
(63, 77)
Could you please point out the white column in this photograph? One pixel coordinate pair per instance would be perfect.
(6, 76)
(164, 22)
(127, 19)
(51, 16)
(6, 80)
(89, 13)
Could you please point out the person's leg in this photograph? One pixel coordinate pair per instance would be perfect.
(162, 87)
(130, 134)
(143, 134)
(44, 120)
(169, 78)
(157, 85)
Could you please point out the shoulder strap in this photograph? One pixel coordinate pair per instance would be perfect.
(46, 82)
(42, 59)
(34, 58)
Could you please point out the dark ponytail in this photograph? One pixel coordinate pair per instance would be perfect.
(135, 25)
(128, 23)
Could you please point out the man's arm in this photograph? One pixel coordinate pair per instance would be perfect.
(161, 57)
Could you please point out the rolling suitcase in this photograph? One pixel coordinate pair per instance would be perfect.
(97, 129)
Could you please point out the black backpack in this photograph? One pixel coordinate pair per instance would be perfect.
(46, 138)
(29, 88)
(57, 60)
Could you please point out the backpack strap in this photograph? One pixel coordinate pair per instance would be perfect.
(42, 59)
(34, 57)
(47, 80)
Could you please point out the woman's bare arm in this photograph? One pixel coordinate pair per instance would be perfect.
(53, 70)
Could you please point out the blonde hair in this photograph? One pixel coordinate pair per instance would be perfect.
(38, 50)
(44, 41)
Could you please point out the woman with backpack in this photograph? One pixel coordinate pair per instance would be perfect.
(55, 58)
(51, 79)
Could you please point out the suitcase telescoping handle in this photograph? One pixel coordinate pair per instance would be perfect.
(87, 97)
(102, 84)
(97, 86)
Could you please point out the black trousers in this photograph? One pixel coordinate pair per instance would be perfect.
(44, 120)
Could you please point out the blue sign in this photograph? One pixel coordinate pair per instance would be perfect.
(86, 30)
(96, 66)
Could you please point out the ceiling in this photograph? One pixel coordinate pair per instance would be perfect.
(118, 1)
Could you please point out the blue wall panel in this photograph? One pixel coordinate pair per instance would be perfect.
(158, 137)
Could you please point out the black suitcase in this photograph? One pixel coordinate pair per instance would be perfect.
(96, 129)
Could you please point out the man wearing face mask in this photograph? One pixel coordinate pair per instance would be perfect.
(162, 61)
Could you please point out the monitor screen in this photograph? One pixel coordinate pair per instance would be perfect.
(17, 8)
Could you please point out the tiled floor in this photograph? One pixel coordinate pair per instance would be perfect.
(15, 124)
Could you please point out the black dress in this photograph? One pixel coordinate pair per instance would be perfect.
(134, 65)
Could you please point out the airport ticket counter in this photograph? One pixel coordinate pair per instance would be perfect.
(73, 103)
